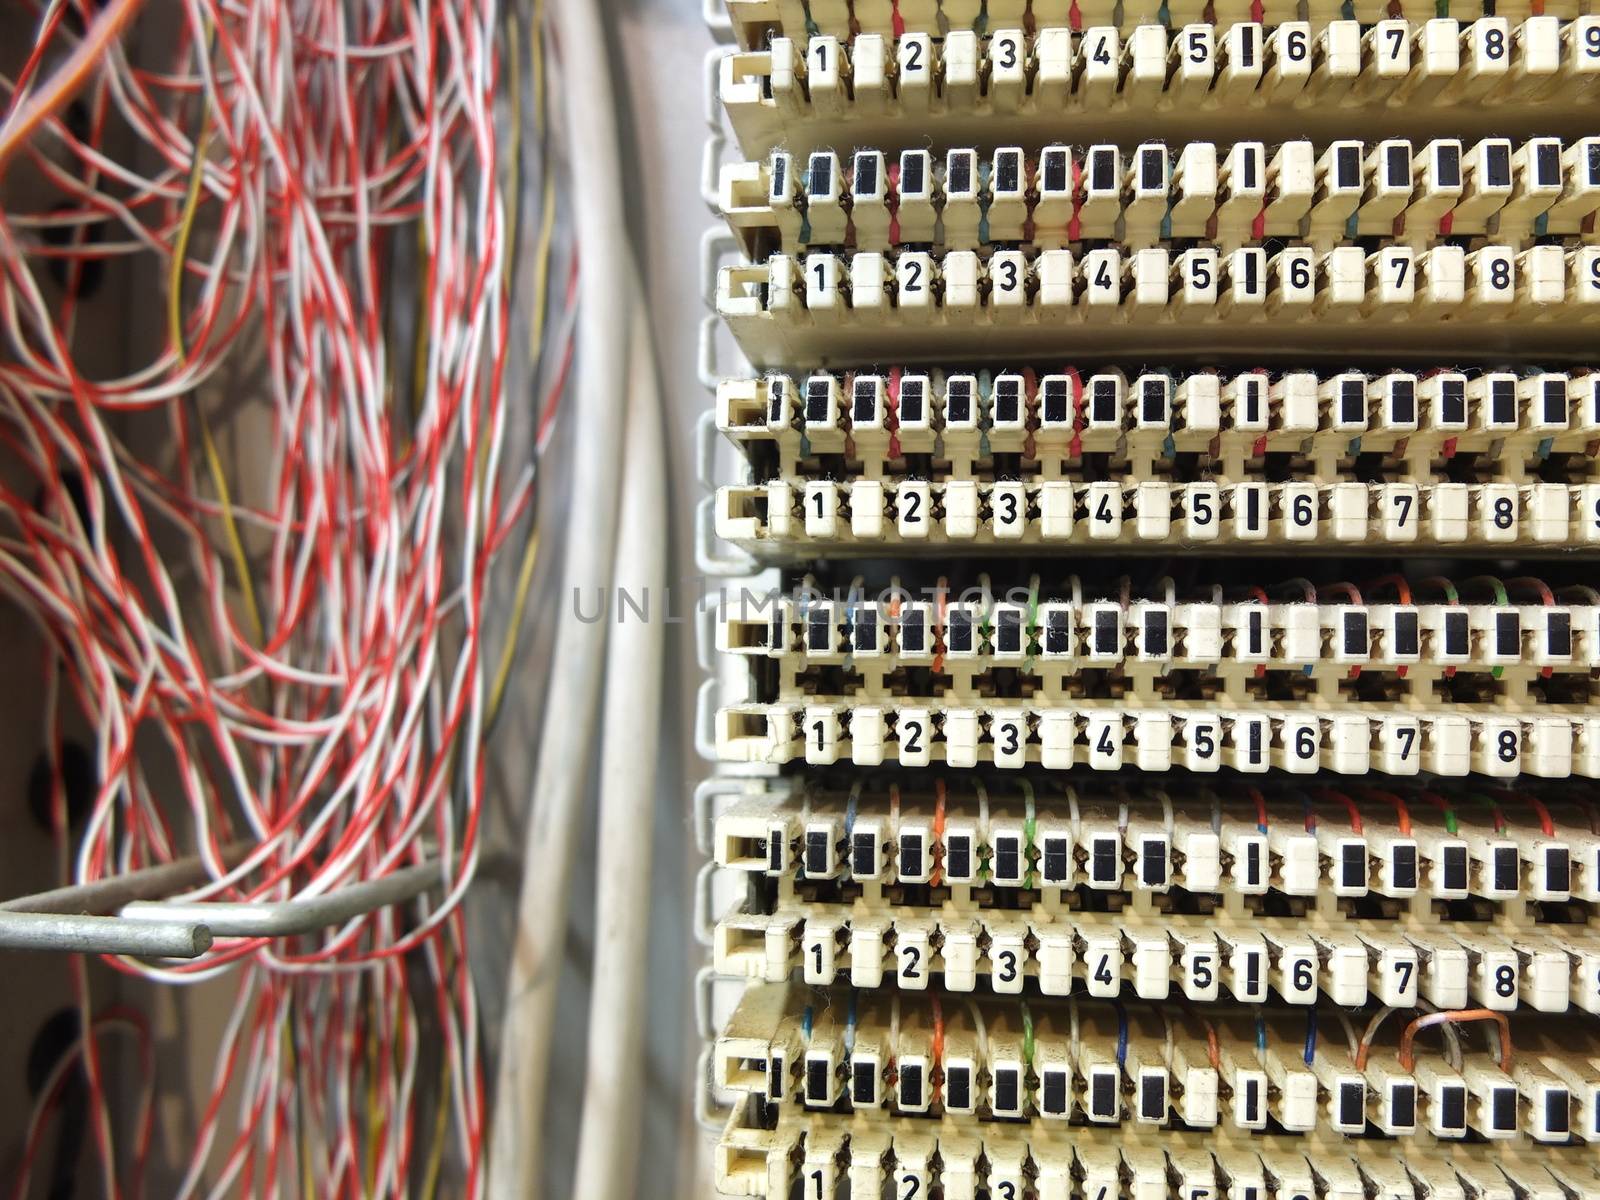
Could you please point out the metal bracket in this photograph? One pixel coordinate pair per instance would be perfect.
(705, 980)
(717, 19)
(711, 1116)
(704, 926)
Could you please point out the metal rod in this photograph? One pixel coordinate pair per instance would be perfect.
(103, 935)
(289, 917)
(104, 896)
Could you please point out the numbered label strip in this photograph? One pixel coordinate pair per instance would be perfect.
(1159, 956)
(816, 1155)
(1086, 1062)
(1414, 847)
(757, 22)
(826, 517)
(1494, 300)
(1232, 195)
(913, 424)
(1550, 741)
(1494, 73)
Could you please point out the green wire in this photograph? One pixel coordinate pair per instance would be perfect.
(1027, 1035)
(1033, 621)
(1029, 825)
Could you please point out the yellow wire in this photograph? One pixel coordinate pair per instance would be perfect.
(219, 481)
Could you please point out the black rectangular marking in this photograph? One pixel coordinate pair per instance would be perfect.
(1403, 401)
(1447, 164)
(1055, 170)
(780, 175)
(819, 631)
(1347, 167)
(1008, 631)
(960, 631)
(914, 172)
(775, 850)
(865, 411)
(1355, 634)
(1557, 869)
(1103, 169)
(1353, 865)
(1497, 164)
(1153, 401)
(1407, 634)
(1547, 164)
(1252, 506)
(1252, 401)
(958, 1088)
(1058, 632)
(1007, 1087)
(1252, 863)
(1506, 869)
(1403, 867)
(1007, 858)
(958, 855)
(1057, 402)
(817, 1081)
(1007, 400)
(1103, 1094)
(864, 1083)
(1254, 741)
(819, 392)
(1352, 1104)
(865, 181)
(1153, 1097)
(1054, 1099)
(1503, 401)
(866, 630)
(1105, 865)
(1008, 171)
(1154, 861)
(1453, 1108)
(1057, 860)
(1252, 1101)
(1103, 403)
(818, 852)
(1247, 47)
(864, 854)
(1397, 165)
(1554, 395)
(912, 394)
(1455, 868)
(1253, 633)
(1508, 634)
(1557, 1112)
(1503, 1109)
(911, 1085)
(1352, 402)
(1247, 166)
(958, 401)
(1402, 1106)
(1152, 169)
(1155, 632)
(1453, 401)
(910, 865)
(958, 172)
(1558, 635)
(1107, 632)
(1457, 635)
(913, 632)
(819, 179)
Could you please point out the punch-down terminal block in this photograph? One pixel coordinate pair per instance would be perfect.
(1499, 74)
(1400, 894)
(922, 458)
(1328, 275)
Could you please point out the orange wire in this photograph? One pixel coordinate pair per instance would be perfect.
(1213, 1048)
(1408, 1058)
(1400, 586)
(938, 1032)
(1546, 825)
(1402, 812)
(68, 80)
(1349, 807)
(938, 832)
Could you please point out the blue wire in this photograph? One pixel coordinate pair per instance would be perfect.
(1261, 1032)
(805, 1023)
(1311, 1034)
(850, 1027)
(1122, 1033)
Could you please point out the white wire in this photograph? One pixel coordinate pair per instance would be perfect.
(567, 738)
(613, 1092)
